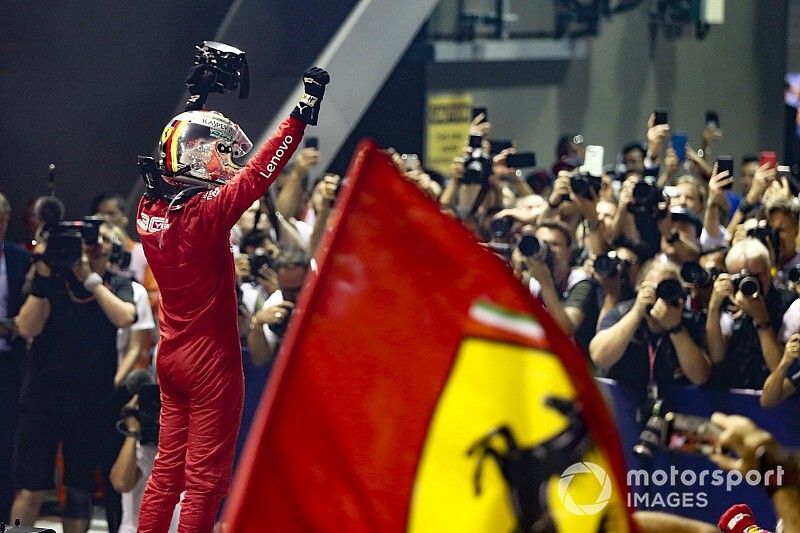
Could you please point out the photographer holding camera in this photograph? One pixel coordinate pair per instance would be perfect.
(134, 463)
(72, 314)
(651, 342)
(270, 321)
(570, 295)
(745, 314)
(617, 272)
(783, 217)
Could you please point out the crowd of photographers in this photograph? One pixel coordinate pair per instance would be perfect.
(663, 275)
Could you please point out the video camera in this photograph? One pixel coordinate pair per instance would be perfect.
(218, 68)
(65, 240)
(148, 407)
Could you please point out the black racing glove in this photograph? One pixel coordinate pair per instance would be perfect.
(307, 109)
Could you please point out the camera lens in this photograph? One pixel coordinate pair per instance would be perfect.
(749, 286)
(670, 290)
(649, 438)
(695, 274)
(642, 192)
(606, 266)
(530, 246)
(500, 226)
(580, 186)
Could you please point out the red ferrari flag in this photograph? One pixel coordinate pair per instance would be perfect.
(421, 388)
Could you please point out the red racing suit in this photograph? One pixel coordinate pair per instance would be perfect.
(199, 362)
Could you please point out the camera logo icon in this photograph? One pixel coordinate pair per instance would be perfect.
(602, 498)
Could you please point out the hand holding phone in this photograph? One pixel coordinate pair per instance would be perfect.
(661, 117)
(691, 434)
(725, 163)
(679, 140)
(768, 158)
(521, 160)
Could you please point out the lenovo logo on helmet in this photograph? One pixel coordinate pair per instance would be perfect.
(276, 159)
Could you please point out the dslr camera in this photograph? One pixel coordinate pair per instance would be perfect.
(671, 291)
(698, 276)
(609, 265)
(257, 261)
(147, 409)
(745, 282)
(585, 185)
(646, 197)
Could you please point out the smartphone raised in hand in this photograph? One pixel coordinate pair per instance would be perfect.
(768, 157)
(521, 160)
(691, 434)
(312, 142)
(679, 140)
(661, 117)
(498, 145)
(725, 162)
(593, 160)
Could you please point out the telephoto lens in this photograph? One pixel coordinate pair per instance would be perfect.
(670, 290)
(606, 266)
(651, 436)
(501, 226)
(696, 275)
(530, 246)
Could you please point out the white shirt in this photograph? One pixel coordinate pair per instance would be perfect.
(138, 262)
(144, 319)
(707, 242)
(274, 299)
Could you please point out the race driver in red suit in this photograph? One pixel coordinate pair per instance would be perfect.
(185, 233)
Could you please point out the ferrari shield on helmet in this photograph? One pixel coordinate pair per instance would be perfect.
(201, 148)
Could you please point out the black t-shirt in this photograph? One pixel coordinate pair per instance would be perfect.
(743, 366)
(72, 363)
(584, 295)
(633, 368)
